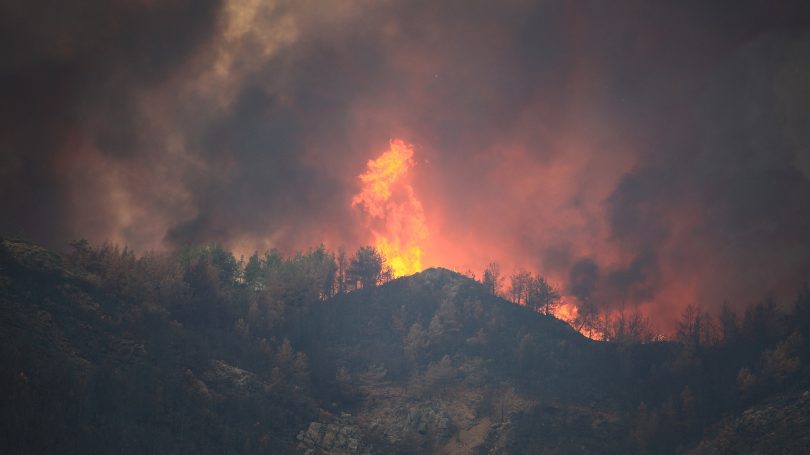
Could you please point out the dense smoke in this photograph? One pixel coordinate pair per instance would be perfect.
(636, 153)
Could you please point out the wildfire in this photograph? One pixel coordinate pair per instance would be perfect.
(396, 217)
(567, 312)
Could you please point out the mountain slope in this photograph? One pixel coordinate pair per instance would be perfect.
(103, 352)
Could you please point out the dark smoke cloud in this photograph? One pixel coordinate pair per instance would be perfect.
(666, 141)
(69, 77)
(583, 278)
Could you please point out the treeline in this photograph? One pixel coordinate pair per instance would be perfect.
(318, 272)
(535, 292)
(695, 326)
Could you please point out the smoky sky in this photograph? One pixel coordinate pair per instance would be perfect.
(643, 153)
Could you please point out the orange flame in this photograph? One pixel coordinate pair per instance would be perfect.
(568, 313)
(395, 213)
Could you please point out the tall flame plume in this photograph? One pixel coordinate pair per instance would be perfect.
(395, 215)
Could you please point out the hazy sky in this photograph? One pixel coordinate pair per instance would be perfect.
(656, 151)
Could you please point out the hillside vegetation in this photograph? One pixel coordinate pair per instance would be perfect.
(103, 351)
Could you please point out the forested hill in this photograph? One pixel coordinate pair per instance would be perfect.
(103, 351)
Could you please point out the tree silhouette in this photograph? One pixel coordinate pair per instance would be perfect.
(366, 267)
(541, 296)
(696, 327)
(519, 286)
(728, 323)
(492, 279)
(253, 272)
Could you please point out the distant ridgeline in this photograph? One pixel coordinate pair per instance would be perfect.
(194, 351)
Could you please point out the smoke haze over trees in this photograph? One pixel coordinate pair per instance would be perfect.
(655, 153)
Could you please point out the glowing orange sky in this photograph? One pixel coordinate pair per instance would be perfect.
(663, 147)
(412, 238)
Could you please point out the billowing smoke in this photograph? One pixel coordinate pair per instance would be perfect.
(583, 278)
(667, 143)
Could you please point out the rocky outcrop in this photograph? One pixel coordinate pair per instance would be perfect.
(336, 438)
(778, 426)
(229, 380)
(428, 419)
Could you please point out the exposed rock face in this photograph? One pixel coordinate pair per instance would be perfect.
(776, 427)
(456, 423)
(337, 438)
(400, 421)
(233, 381)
